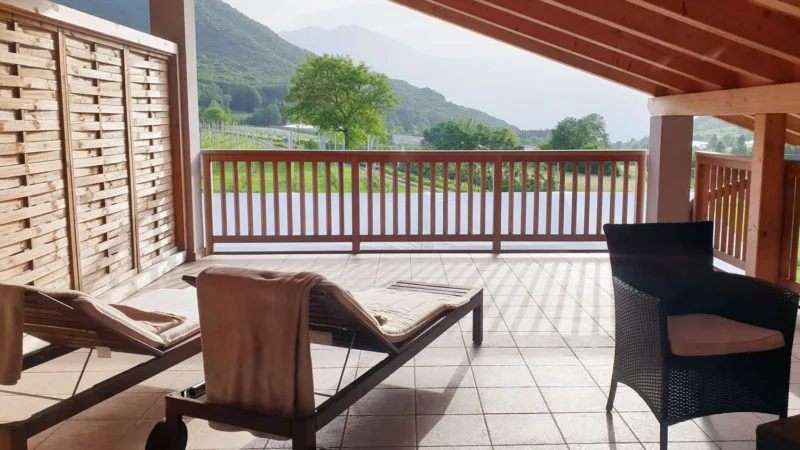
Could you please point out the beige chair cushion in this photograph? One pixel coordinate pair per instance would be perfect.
(708, 335)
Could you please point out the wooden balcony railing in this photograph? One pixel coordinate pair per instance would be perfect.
(722, 195)
(269, 197)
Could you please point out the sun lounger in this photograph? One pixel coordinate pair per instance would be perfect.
(70, 322)
(401, 332)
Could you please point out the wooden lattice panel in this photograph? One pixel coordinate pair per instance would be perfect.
(96, 84)
(34, 243)
(149, 97)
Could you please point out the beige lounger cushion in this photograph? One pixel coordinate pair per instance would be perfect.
(174, 302)
(708, 335)
(396, 313)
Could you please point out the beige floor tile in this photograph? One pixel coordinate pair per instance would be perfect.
(443, 377)
(448, 401)
(523, 429)
(574, 399)
(535, 339)
(529, 324)
(646, 428)
(502, 376)
(385, 402)
(512, 400)
(616, 446)
(481, 356)
(561, 376)
(595, 356)
(589, 428)
(377, 431)
(330, 436)
(84, 434)
(19, 407)
(122, 406)
(442, 357)
(730, 427)
(452, 430)
(202, 436)
(549, 357)
(402, 378)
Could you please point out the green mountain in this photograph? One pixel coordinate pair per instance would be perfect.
(242, 63)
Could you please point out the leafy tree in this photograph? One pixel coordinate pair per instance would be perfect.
(206, 93)
(268, 116)
(215, 114)
(465, 135)
(334, 94)
(245, 98)
(585, 133)
(740, 145)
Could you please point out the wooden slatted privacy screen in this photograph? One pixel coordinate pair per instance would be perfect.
(377, 196)
(86, 154)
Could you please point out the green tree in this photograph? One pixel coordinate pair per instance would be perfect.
(268, 115)
(466, 135)
(215, 114)
(585, 133)
(334, 94)
(740, 145)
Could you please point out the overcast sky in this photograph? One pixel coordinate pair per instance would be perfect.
(555, 89)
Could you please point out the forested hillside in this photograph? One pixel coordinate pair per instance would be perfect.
(243, 64)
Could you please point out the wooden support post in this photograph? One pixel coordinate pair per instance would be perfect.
(669, 168)
(765, 209)
(174, 20)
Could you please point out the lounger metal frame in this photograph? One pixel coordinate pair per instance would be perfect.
(69, 329)
(325, 313)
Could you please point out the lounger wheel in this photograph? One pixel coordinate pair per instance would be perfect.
(159, 438)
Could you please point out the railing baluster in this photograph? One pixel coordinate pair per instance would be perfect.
(208, 197)
(470, 196)
(276, 199)
(625, 175)
(601, 169)
(355, 189)
(249, 180)
(726, 194)
(613, 203)
(315, 194)
(262, 185)
(328, 195)
(561, 209)
(223, 199)
(237, 220)
(740, 210)
(483, 198)
(407, 170)
(523, 213)
(497, 202)
(433, 198)
(289, 199)
(587, 196)
(458, 198)
(733, 210)
(445, 196)
(302, 183)
(395, 206)
(746, 218)
(549, 205)
(340, 165)
(720, 177)
(510, 196)
(382, 197)
(420, 194)
(536, 191)
(640, 172)
(369, 199)
(574, 222)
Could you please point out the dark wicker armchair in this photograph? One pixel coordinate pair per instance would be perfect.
(663, 276)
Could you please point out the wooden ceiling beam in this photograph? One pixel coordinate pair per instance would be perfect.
(713, 76)
(763, 30)
(755, 66)
(546, 51)
(776, 98)
(571, 44)
(789, 7)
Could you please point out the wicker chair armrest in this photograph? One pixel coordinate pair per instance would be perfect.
(749, 300)
(641, 324)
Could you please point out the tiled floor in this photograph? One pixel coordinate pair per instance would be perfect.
(539, 381)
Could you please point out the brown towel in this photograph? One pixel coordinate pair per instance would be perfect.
(12, 320)
(256, 350)
(158, 322)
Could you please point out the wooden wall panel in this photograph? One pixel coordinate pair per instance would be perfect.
(150, 125)
(33, 217)
(96, 84)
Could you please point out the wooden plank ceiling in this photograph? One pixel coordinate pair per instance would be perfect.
(659, 47)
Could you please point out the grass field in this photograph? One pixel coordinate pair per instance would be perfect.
(308, 180)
